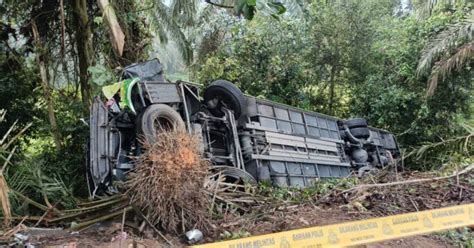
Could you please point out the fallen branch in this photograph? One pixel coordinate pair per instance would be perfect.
(106, 217)
(28, 218)
(18, 228)
(4, 190)
(421, 180)
(140, 213)
(103, 204)
(69, 216)
(100, 200)
(229, 202)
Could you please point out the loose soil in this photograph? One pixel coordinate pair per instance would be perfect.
(340, 205)
(101, 235)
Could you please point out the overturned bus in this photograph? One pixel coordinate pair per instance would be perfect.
(247, 138)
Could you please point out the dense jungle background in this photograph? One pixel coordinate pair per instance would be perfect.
(405, 66)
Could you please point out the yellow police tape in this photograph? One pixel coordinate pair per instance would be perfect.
(360, 232)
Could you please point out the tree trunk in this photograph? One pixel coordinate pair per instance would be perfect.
(332, 85)
(117, 37)
(45, 86)
(63, 25)
(84, 48)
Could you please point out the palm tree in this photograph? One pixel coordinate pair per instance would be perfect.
(171, 20)
(450, 51)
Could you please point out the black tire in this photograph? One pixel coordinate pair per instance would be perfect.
(356, 122)
(222, 92)
(360, 132)
(157, 116)
(235, 175)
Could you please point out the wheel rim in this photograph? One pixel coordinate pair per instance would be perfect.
(242, 177)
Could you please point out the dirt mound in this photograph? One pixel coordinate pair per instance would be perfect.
(167, 183)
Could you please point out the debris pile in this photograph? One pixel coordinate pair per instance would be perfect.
(417, 191)
(167, 183)
(377, 196)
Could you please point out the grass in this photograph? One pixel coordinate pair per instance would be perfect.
(301, 195)
(462, 237)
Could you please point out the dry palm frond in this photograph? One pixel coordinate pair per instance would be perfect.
(167, 182)
(4, 191)
(5, 156)
(6, 141)
(444, 68)
(234, 195)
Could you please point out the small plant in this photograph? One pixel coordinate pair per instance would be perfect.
(448, 152)
(226, 235)
(463, 237)
(301, 195)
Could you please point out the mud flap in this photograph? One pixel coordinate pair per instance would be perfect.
(102, 145)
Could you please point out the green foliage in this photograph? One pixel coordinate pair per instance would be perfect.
(260, 62)
(463, 237)
(226, 235)
(29, 179)
(27, 176)
(69, 164)
(100, 75)
(449, 153)
(18, 93)
(345, 58)
(302, 195)
(393, 96)
(41, 170)
(134, 19)
(301, 62)
(452, 46)
(349, 59)
(248, 8)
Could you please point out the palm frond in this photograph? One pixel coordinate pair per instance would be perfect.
(205, 15)
(6, 155)
(443, 68)
(461, 144)
(185, 10)
(51, 187)
(296, 8)
(161, 33)
(425, 8)
(17, 181)
(163, 16)
(3, 112)
(455, 34)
